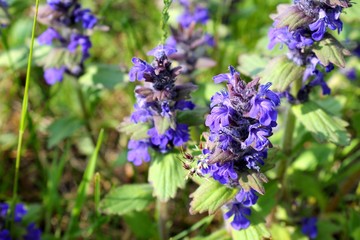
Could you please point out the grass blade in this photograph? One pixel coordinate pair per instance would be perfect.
(81, 192)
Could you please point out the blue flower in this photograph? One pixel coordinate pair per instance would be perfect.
(247, 198)
(47, 37)
(263, 106)
(224, 173)
(85, 16)
(162, 50)
(84, 42)
(239, 211)
(258, 137)
(327, 18)
(180, 135)
(159, 140)
(199, 15)
(218, 117)
(309, 227)
(138, 152)
(33, 233)
(140, 67)
(5, 234)
(54, 75)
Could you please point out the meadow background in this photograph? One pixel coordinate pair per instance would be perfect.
(59, 137)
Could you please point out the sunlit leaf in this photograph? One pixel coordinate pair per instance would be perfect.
(166, 175)
(251, 64)
(256, 230)
(281, 72)
(323, 126)
(329, 50)
(102, 76)
(136, 131)
(63, 128)
(127, 198)
(210, 196)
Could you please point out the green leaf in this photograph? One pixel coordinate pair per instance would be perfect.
(281, 72)
(280, 232)
(63, 128)
(166, 175)
(210, 196)
(102, 76)
(256, 230)
(221, 234)
(127, 198)
(329, 50)
(141, 224)
(251, 64)
(323, 127)
(192, 117)
(162, 124)
(254, 181)
(137, 131)
(291, 16)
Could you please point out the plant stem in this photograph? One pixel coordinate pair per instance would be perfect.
(349, 184)
(86, 117)
(162, 215)
(23, 114)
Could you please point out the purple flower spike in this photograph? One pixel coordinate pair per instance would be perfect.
(162, 50)
(247, 198)
(138, 152)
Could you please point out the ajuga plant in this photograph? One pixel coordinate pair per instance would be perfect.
(157, 104)
(191, 41)
(23, 231)
(241, 121)
(303, 27)
(68, 31)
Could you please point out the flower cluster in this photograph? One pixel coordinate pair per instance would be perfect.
(31, 232)
(240, 122)
(300, 27)
(69, 25)
(191, 42)
(158, 102)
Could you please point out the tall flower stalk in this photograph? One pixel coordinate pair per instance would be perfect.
(241, 121)
(157, 104)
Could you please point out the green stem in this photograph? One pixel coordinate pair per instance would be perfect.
(23, 113)
(86, 116)
(162, 215)
(165, 19)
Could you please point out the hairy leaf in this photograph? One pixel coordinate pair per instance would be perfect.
(192, 117)
(136, 131)
(323, 127)
(127, 198)
(162, 124)
(291, 16)
(329, 50)
(166, 175)
(210, 196)
(102, 76)
(252, 64)
(254, 181)
(63, 128)
(281, 72)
